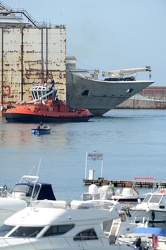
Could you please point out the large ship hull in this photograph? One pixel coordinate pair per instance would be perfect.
(100, 96)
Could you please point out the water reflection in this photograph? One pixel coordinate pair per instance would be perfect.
(133, 143)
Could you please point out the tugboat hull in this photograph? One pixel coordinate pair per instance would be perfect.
(27, 118)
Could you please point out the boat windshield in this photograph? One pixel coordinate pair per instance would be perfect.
(147, 198)
(5, 229)
(26, 232)
(155, 199)
(27, 189)
(163, 199)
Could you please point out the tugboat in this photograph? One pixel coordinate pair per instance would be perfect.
(45, 107)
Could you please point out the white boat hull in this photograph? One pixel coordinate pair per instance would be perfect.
(58, 244)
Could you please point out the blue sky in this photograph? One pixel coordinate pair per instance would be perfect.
(108, 34)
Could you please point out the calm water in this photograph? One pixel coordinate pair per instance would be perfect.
(133, 143)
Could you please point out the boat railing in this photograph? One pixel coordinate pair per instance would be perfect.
(74, 205)
(4, 7)
(20, 11)
(27, 178)
(48, 94)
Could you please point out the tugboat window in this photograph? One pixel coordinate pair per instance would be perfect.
(89, 234)
(39, 94)
(58, 230)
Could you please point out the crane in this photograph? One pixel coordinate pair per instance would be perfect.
(123, 72)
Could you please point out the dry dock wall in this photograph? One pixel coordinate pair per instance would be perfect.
(149, 98)
(30, 54)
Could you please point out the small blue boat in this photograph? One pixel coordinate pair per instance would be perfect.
(41, 131)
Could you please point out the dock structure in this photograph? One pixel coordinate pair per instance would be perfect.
(93, 156)
(139, 181)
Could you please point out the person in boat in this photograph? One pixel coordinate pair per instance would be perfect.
(40, 125)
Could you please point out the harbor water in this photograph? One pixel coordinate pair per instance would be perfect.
(133, 143)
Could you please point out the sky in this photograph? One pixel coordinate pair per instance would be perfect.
(108, 34)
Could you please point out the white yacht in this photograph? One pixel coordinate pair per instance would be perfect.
(153, 208)
(55, 225)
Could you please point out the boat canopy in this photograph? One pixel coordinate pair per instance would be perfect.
(39, 190)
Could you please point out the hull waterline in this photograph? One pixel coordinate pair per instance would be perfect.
(27, 118)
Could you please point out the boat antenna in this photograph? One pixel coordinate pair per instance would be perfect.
(38, 167)
(35, 182)
(17, 4)
(32, 169)
(35, 167)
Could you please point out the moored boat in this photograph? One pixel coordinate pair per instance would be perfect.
(64, 225)
(153, 208)
(127, 195)
(26, 190)
(45, 106)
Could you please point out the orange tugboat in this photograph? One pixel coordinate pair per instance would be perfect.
(45, 107)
